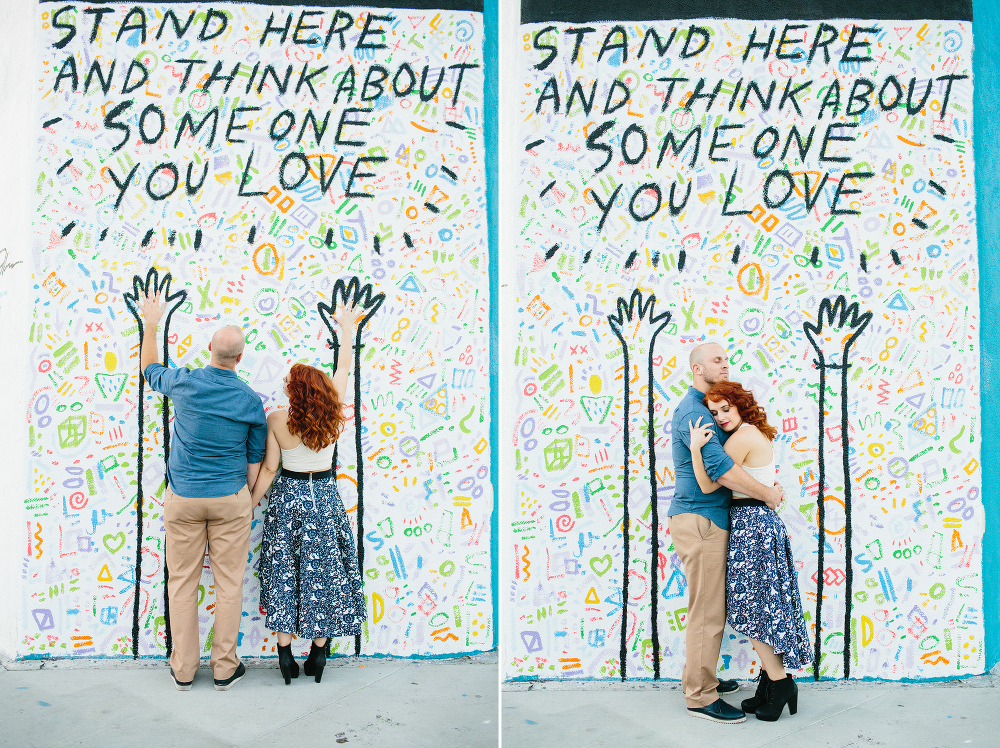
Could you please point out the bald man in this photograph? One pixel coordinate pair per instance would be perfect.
(219, 433)
(699, 528)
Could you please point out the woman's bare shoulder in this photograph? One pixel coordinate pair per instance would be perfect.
(277, 417)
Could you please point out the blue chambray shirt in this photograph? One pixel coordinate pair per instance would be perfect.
(219, 426)
(687, 495)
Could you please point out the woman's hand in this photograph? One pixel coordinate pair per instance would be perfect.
(347, 316)
(700, 435)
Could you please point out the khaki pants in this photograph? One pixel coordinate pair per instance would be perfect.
(703, 548)
(224, 523)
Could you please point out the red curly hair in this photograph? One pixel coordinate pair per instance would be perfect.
(744, 402)
(315, 412)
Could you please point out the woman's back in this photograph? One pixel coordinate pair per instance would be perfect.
(295, 455)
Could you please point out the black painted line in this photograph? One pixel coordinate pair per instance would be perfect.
(63, 167)
(450, 173)
(574, 11)
(864, 262)
(376, 244)
(104, 234)
(455, 125)
(944, 138)
(550, 253)
(68, 227)
(919, 223)
(736, 254)
(147, 238)
(548, 187)
(895, 257)
(533, 143)
(586, 257)
(820, 514)
(50, 122)
(197, 239)
(681, 259)
(623, 652)
(938, 188)
(408, 240)
(432, 207)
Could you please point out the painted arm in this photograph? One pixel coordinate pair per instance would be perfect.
(268, 468)
(700, 436)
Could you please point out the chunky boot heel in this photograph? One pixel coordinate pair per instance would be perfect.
(316, 662)
(760, 697)
(287, 665)
(779, 693)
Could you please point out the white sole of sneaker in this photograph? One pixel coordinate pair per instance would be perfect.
(230, 684)
(701, 715)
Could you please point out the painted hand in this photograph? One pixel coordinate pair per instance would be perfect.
(150, 300)
(350, 308)
(700, 435)
(837, 327)
(634, 319)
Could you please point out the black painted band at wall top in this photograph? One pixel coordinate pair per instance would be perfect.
(583, 11)
(475, 6)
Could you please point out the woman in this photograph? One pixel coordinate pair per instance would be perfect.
(762, 596)
(310, 584)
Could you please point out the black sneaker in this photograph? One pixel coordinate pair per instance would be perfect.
(718, 711)
(179, 684)
(727, 686)
(232, 680)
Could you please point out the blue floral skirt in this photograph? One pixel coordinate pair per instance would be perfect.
(762, 593)
(310, 584)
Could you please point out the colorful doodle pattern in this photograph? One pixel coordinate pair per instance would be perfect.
(261, 156)
(803, 194)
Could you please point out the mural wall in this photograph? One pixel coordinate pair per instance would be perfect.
(801, 192)
(260, 162)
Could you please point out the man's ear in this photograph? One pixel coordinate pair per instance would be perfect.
(210, 346)
(239, 358)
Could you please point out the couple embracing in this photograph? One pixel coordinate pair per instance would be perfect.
(732, 544)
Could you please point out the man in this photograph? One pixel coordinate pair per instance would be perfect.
(699, 526)
(218, 443)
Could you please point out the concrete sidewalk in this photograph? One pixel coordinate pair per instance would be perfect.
(361, 701)
(955, 714)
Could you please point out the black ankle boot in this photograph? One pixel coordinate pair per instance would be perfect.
(316, 662)
(287, 664)
(779, 693)
(760, 697)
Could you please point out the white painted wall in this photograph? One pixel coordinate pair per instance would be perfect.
(17, 66)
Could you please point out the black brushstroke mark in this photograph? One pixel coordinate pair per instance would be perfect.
(533, 143)
(147, 238)
(329, 238)
(133, 300)
(550, 253)
(586, 257)
(343, 294)
(736, 254)
(68, 227)
(548, 187)
(814, 258)
(377, 245)
(837, 315)
(49, 122)
(64, 166)
(656, 259)
(895, 257)
(864, 262)
(104, 234)
(432, 207)
(171, 237)
(450, 173)
(252, 234)
(197, 239)
(681, 259)
(945, 138)
(456, 125)
(938, 188)
(631, 258)
(652, 324)
(408, 240)
(918, 222)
